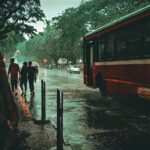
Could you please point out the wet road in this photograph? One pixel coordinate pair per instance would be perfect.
(90, 121)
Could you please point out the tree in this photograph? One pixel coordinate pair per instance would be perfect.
(73, 23)
(63, 35)
(71, 27)
(8, 45)
(52, 42)
(16, 14)
(35, 48)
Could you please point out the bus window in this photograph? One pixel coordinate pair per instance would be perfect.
(147, 38)
(87, 55)
(91, 55)
(134, 41)
(84, 52)
(101, 49)
(109, 47)
(121, 43)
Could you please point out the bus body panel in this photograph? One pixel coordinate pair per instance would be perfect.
(121, 78)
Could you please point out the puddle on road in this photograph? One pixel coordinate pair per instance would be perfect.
(119, 140)
(90, 121)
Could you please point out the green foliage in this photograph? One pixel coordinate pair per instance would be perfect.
(15, 18)
(15, 14)
(73, 23)
(62, 37)
(8, 45)
(101, 12)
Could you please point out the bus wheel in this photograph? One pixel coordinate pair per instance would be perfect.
(102, 86)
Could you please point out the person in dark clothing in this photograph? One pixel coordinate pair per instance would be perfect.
(23, 78)
(14, 71)
(31, 76)
(36, 72)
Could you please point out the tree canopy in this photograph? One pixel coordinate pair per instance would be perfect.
(62, 38)
(15, 15)
(14, 18)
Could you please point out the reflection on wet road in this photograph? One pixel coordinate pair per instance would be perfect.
(90, 121)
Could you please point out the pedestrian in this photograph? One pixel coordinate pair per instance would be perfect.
(31, 76)
(36, 72)
(23, 78)
(14, 72)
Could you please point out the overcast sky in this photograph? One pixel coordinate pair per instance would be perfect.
(53, 8)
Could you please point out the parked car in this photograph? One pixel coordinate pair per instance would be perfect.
(73, 69)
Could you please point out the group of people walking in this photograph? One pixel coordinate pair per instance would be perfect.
(28, 72)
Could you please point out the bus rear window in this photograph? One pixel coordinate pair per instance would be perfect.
(101, 45)
(121, 43)
(109, 47)
(147, 38)
(134, 40)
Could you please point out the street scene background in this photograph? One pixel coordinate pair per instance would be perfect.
(90, 121)
(52, 33)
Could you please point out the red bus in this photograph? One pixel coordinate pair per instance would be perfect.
(117, 56)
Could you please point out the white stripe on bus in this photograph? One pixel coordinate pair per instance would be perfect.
(124, 62)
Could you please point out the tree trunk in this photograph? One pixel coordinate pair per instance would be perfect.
(8, 107)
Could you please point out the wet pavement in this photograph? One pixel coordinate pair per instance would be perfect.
(90, 121)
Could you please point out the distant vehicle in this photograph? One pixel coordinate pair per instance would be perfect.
(73, 69)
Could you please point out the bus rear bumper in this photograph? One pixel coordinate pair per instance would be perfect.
(144, 92)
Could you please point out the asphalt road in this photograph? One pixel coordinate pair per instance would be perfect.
(90, 121)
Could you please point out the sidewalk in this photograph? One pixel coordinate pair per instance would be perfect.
(39, 137)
